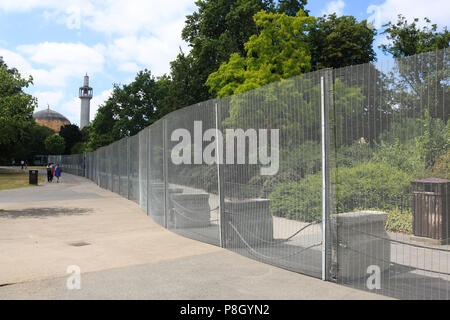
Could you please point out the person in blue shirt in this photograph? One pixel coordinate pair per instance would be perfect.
(57, 172)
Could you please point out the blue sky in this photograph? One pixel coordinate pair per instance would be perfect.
(58, 41)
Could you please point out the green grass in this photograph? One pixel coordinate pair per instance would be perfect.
(12, 179)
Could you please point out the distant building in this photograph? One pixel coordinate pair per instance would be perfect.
(85, 95)
(50, 119)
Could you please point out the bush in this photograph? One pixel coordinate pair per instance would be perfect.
(298, 200)
(398, 221)
(369, 185)
(353, 155)
(295, 163)
(441, 168)
(404, 156)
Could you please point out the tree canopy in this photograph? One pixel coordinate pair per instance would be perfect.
(131, 108)
(406, 39)
(280, 50)
(16, 106)
(55, 144)
(71, 134)
(337, 42)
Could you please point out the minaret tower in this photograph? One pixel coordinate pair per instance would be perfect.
(86, 93)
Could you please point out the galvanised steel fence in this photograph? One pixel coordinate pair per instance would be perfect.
(338, 174)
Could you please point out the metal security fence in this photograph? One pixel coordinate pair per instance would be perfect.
(313, 174)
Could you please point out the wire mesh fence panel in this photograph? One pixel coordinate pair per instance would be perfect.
(133, 168)
(109, 166)
(123, 167)
(392, 129)
(272, 178)
(102, 168)
(156, 182)
(192, 199)
(143, 165)
(250, 173)
(115, 167)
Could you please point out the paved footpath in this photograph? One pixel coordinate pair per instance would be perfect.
(123, 254)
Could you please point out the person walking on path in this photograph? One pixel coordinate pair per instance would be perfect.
(57, 172)
(22, 163)
(49, 172)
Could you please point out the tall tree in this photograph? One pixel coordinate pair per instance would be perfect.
(280, 50)
(340, 41)
(215, 31)
(406, 39)
(423, 77)
(71, 134)
(131, 108)
(55, 144)
(16, 107)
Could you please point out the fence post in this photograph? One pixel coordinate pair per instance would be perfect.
(220, 181)
(165, 173)
(326, 101)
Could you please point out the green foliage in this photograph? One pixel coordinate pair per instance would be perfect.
(435, 140)
(215, 31)
(369, 185)
(71, 135)
(405, 131)
(340, 41)
(55, 144)
(420, 74)
(130, 108)
(441, 168)
(186, 84)
(16, 107)
(399, 221)
(404, 156)
(78, 148)
(298, 200)
(414, 144)
(295, 163)
(406, 39)
(32, 143)
(372, 184)
(279, 51)
(354, 154)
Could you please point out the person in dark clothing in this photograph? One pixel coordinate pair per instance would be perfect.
(49, 173)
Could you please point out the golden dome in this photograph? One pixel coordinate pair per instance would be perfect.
(50, 119)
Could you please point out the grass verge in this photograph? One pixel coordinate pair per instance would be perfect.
(13, 179)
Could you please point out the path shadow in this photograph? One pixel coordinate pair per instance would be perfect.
(43, 212)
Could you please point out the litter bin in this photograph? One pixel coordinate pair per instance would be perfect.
(430, 207)
(33, 176)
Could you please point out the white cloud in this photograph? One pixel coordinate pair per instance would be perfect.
(109, 16)
(98, 100)
(130, 67)
(139, 33)
(436, 10)
(133, 53)
(334, 7)
(15, 60)
(52, 98)
(58, 62)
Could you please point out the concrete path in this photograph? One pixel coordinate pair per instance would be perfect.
(123, 254)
